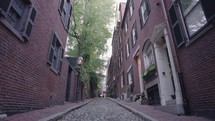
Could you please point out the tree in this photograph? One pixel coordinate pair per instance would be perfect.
(88, 34)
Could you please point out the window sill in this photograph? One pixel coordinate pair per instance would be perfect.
(144, 23)
(198, 35)
(55, 71)
(13, 30)
(64, 25)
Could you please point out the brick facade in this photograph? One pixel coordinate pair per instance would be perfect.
(26, 80)
(198, 68)
(193, 58)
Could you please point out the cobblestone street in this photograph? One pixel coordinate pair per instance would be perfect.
(101, 109)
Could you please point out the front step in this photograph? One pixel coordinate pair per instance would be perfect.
(174, 109)
(171, 102)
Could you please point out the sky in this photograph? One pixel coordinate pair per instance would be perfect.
(107, 55)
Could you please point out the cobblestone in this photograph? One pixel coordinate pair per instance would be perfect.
(101, 109)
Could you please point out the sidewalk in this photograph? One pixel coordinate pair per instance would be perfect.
(48, 113)
(150, 114)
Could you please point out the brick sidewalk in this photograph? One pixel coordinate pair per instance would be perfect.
(43, 113)
(156, 114)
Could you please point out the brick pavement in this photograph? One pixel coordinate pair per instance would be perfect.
(43, 113)
(156, 114)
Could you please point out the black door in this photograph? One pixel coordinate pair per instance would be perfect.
(68, 84)
(153, 95)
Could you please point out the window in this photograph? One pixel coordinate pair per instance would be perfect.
(126, 25)
(194, 16)
(121, 56)
(144, 12)
(15, 12)
(130, 76)
(131, 7)
(65, 12)
(177, 33)
(56, 54)
(148, 55)
(122, 80)
(134, 34)
(128, 48)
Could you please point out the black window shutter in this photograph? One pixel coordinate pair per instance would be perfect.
(132, 3)
(29, 24)
(129, 46)
(209, 9)
(68, 17)
(141, 18)
(61, 59)
(178, 36)
(136, 35)
(147, 7)
(4, 5)
(61, 5)
(132, 41)
(52, 49)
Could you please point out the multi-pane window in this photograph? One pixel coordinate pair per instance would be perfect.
(20, 14)
(126, 25)
(56, 54)
(197, 14)
(128, 48)
(121, 56)
(194, 16)
(144, 12)
(130, 76)
(148, 56)
(131, 7)
(122, 80)
(65, 12)
(134, 35)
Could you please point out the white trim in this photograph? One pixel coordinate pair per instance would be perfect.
(135, 52)
(157, 32)
(129, 68)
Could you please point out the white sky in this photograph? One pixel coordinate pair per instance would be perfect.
(107, 55)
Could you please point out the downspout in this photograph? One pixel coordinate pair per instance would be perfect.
(181, 81)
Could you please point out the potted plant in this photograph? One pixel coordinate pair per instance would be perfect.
(150, 71)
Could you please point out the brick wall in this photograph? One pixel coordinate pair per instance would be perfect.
(26, 81)
(197, 62)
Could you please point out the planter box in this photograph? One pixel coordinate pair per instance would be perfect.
(149, 75)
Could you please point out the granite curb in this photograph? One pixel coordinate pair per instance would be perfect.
(138, 113)
(59, 115)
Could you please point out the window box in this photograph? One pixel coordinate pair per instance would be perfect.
(149, 72)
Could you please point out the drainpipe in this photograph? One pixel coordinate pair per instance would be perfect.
(182, 86)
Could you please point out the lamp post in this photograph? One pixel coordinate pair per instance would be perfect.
(79, 63)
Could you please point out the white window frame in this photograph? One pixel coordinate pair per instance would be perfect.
(122, 81)
(148, 56)
(127, 48)
(191, 29)
(143, 10)
(131, 8)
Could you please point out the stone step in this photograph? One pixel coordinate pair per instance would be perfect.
(173, 109)
(171, 102)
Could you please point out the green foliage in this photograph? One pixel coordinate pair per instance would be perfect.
(149, 69)
(88, 34)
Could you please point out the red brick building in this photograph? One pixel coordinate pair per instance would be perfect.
(166, 52)
(33, 70)
(192, 26)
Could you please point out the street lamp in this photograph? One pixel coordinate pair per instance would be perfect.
(80, 60)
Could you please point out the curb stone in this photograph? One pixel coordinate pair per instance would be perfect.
(59, 115)
(138, 113)
(3, 116)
